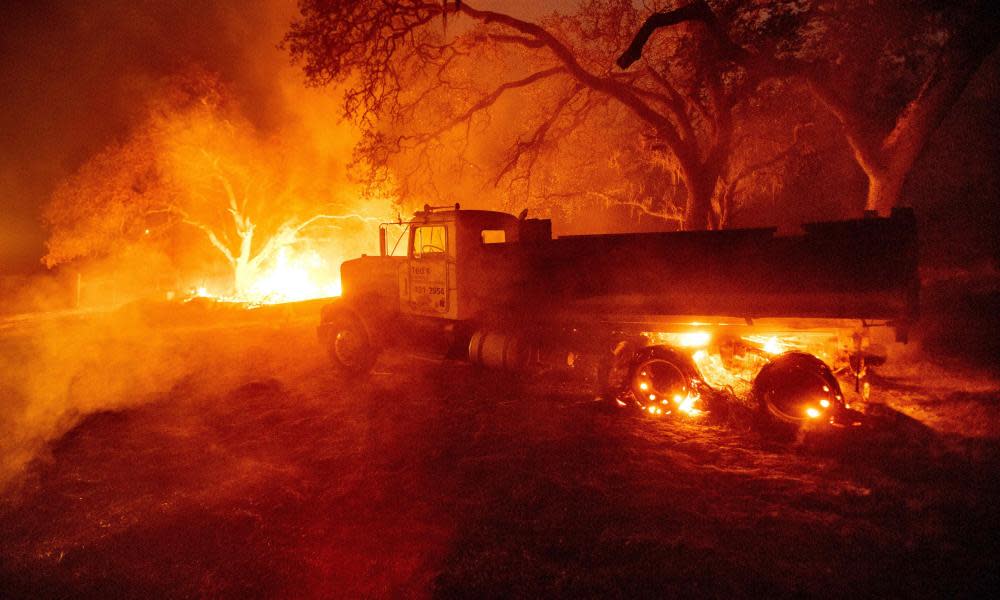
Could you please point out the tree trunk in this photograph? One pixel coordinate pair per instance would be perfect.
(698, 207)
(243, 275)
(244, 269)
(885, 189)
(887, 161)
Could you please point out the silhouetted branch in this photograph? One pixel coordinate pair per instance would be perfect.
(696, 11)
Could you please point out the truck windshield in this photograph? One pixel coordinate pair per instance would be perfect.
(429, 240)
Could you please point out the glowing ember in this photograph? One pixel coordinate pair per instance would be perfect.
(684, 404)
(687, 405)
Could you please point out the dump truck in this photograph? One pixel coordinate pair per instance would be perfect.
(659, 321)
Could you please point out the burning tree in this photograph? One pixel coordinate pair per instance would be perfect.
(422, 89)
(196, 163)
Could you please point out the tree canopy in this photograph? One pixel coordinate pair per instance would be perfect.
(422, 89)
(669, 90)
(889, 71)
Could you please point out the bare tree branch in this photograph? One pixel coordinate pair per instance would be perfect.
(495, 95)
(538, 137)
(699, 10)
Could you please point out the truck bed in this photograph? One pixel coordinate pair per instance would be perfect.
(858, 269)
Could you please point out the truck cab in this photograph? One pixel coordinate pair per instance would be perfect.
(455, 265)
(448, 250)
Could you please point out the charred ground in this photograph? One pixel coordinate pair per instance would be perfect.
(247, 469)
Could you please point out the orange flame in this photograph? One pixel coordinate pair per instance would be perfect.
(295, 276)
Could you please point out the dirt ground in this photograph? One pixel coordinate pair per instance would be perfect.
(223, 459)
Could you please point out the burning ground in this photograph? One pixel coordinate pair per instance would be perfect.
(212, 453)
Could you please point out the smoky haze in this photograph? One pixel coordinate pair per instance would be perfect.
(75, 73)
(77, 79)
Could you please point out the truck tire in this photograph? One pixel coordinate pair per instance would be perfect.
(785, 386)
(661, 377)
(348, 342)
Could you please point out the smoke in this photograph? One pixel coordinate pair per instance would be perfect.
(76, 78)
(79, 79)
(56, 370)
(60, 367)
(287, 141)
(75, 74)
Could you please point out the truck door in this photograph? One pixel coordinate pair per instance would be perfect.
(425, 290)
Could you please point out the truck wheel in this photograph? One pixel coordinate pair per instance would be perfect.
(792, 390)
(661, 380)
(767, 425)
(348, 343)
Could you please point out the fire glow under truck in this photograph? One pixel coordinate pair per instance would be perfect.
(659, 320)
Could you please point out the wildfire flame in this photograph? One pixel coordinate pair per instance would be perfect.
(736, 376)
(293, 276)
(687, 405)
(684, 339)
(729, 361)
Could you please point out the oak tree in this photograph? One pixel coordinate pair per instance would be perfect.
(889, 71)
(426, 77)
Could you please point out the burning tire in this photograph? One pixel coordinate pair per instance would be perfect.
(662, 381)
(794, 389)
(347, 340)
